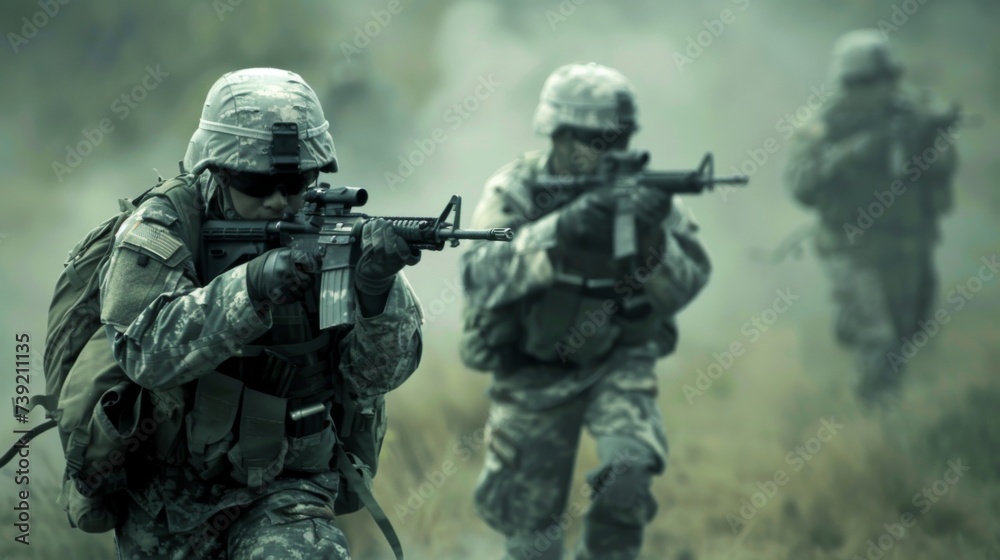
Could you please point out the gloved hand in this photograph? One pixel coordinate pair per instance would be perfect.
(281, 274)
(383, 254)
(588, 221)
(652, 206)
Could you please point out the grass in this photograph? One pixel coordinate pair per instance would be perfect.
(737, 434)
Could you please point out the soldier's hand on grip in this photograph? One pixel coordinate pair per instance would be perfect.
(383, 254)
(281, 273)
(587, 221)
(652, 206)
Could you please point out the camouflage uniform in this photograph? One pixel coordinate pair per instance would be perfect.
(880, 176)
(210, 487)
(565, 357)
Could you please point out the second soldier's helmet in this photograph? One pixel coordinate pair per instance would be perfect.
(586, 96)
(261, 120)
(863, 55)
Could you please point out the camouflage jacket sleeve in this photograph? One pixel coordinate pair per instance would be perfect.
(381, 352)
(936, 148)
(808, 171)
(497, 274)
(686, 266)
(165, 328)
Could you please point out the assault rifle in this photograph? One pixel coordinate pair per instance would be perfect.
(624, 170)
(327, 227)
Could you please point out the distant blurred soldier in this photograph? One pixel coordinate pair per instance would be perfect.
(570, 334)
(877, 164)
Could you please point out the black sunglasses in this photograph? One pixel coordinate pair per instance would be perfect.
(600, 139)
(261, 185)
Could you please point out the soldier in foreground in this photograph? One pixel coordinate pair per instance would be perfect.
(242, 467)
(877, 165)
(570, 334)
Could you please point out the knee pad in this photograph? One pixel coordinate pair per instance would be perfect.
(622, 489)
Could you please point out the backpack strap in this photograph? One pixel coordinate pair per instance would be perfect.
(28, 436)
(187, 202)
(359, 479)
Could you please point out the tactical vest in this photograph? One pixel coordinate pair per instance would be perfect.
(889, 199)
(589, 310)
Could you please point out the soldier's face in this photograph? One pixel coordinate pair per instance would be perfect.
(267, 197)
(872, 92)
(271, 207)
(578, 151)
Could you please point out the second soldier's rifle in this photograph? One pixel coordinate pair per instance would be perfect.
(624, 171)
(327, 227)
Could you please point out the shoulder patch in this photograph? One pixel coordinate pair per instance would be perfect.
(152, 237)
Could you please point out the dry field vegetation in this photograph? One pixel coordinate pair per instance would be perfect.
(736, 435)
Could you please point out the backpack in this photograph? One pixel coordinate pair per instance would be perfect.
(87, 395)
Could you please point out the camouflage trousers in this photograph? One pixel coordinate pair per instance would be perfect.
(524, 490)
(880, 305)
(279, 526)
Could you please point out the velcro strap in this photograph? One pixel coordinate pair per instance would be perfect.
(359, 480)
(216, 400)
(74, 277)
(262, 435)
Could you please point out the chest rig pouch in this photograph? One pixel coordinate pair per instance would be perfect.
(586, 313)
(267, 409)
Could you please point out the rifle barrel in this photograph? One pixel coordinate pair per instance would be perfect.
(495, 234)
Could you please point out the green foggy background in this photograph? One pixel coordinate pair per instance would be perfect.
(399, 87)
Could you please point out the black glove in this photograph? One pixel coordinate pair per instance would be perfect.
(588, 220)
(281, 274)
(383, 254)
(652, 206)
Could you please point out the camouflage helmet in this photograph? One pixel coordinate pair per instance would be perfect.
(242, 112)
(586, 96)
(861, 54)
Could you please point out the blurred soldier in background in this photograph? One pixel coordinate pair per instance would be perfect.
(570, 334)
(877, 165)
(247, 464)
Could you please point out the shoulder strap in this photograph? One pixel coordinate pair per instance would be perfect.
(185, 197)
(359, 479)
(518, 191)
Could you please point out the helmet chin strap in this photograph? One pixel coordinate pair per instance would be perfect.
(226, 198)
